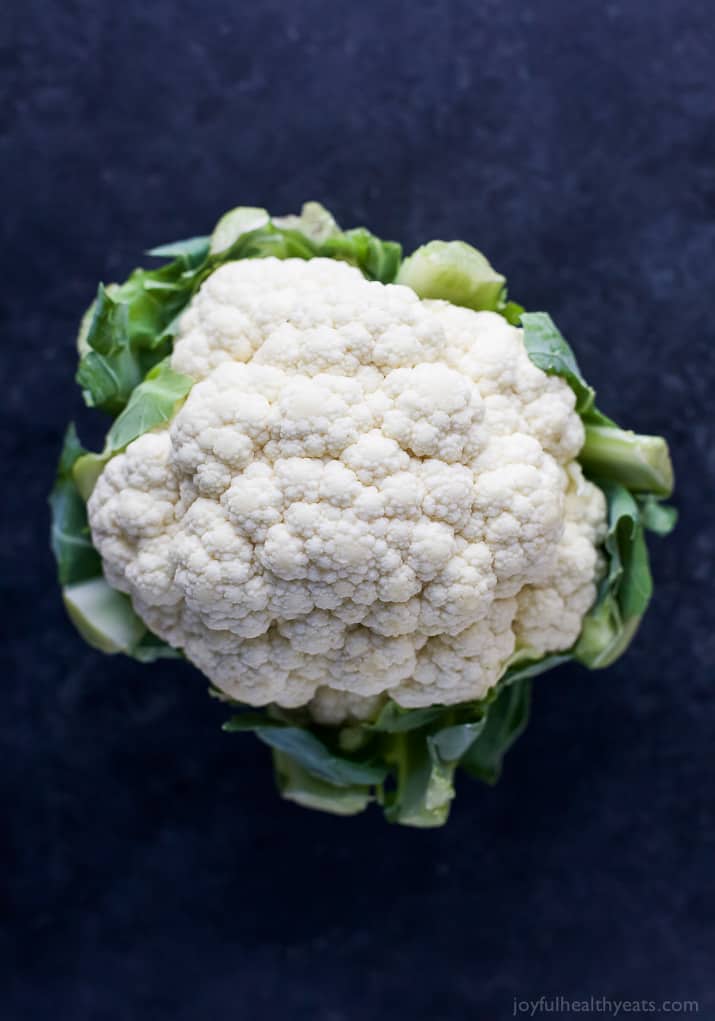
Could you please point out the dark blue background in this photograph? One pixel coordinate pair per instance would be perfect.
(147, 870)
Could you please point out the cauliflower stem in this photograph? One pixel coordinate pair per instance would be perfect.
(371, 498)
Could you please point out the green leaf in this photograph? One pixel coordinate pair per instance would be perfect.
(298, 785)
(657, 517)
(248, 721)
(625, 593)
(451, 743)
(394, 719)
(378, 260)
(506, 719)
(76, 557)
(512, 312)
(71, 450)
(152, 403)
(151, 647)
(636, 586)
(85, 325)
(127, 336)
(522, 670)
(592, 416)
(107, 382)
(623, 519)
(629, 573)
(423, 788)
(109, 321)
(550, 352)
(192, 250)
(155, 401)
(310, 753)
(260, 244)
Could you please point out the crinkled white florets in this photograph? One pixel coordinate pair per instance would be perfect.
(365, 494)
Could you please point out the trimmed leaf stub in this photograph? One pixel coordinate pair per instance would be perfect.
(103, 616)
(455, 272)
(235, 223)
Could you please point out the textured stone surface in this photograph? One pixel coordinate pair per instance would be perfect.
(147, 870)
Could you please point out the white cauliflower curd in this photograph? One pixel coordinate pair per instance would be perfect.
(365, 494)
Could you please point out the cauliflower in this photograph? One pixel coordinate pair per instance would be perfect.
(364, 492)
(352, 501)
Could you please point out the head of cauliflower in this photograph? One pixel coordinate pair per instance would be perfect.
(365, 495)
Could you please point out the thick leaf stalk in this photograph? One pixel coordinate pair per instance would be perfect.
(640, 463)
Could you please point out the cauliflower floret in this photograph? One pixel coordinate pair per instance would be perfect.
(331, 707)
(364, 496)
(550, 612)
